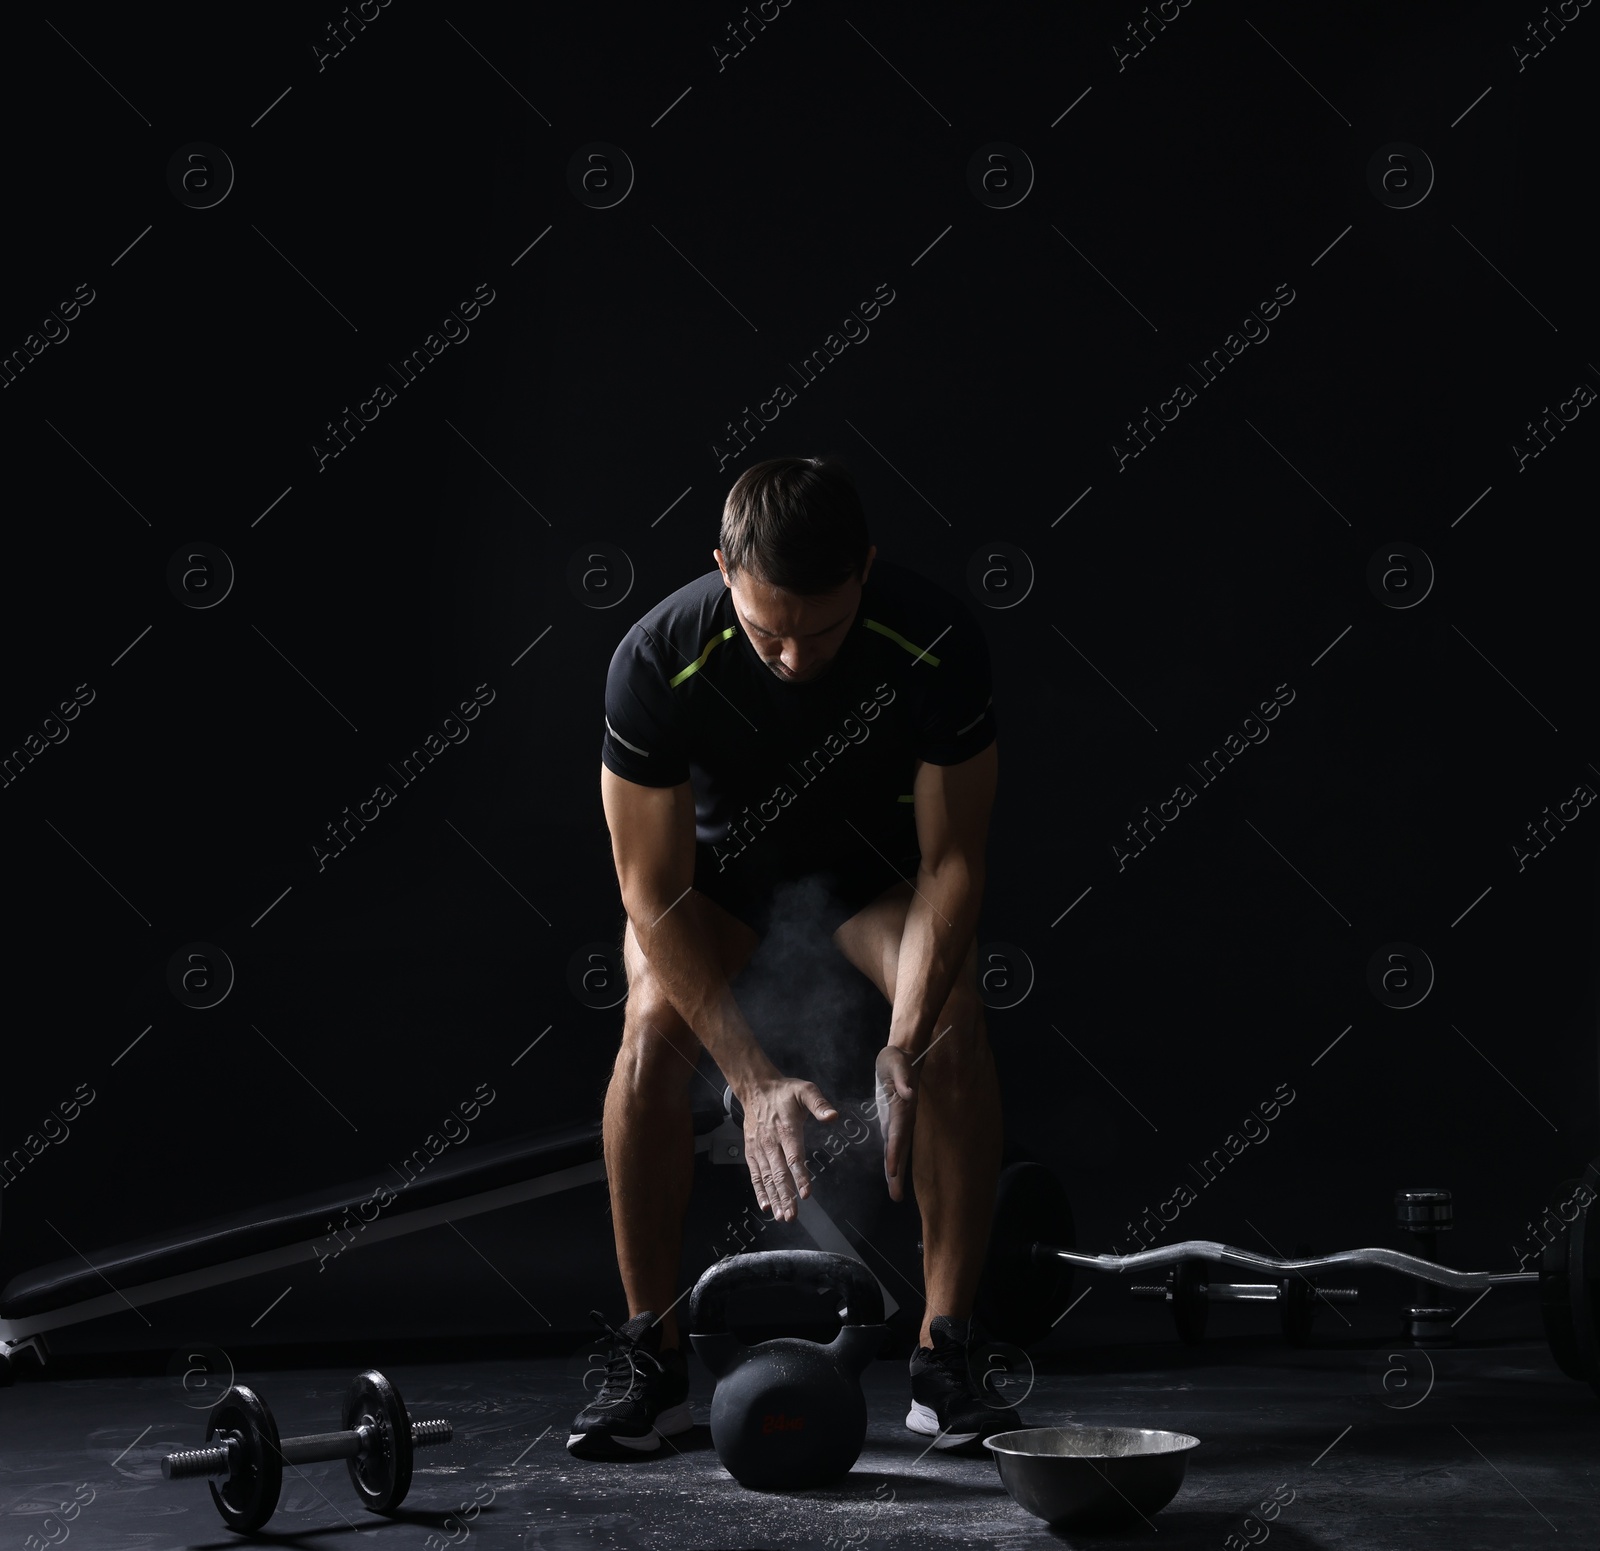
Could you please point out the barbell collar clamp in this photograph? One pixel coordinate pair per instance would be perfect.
(1246, 1260)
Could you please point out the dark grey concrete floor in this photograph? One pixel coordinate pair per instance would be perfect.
(1471, 1447)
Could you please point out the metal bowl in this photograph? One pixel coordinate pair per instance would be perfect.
(1104, 1476)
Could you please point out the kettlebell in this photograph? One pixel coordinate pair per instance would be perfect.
(788, 1412)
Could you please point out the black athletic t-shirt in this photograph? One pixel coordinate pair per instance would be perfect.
(803, 775)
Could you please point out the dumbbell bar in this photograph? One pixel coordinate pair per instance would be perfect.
(1191, 1299)
(376, 1441)
(312, 1449)
(1246, 1292)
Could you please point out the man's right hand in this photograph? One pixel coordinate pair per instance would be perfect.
(775, 1140)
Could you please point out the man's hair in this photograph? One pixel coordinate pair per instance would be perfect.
(796, 523)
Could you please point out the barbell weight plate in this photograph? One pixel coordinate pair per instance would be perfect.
(1555, 1297)
(1018, 1301)
(1583, 1282)
(381, 1476)
(247, 1497)
(1186, 1282)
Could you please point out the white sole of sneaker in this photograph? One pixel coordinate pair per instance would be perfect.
(645, 1443)
(671, 1422)
(674, 1420)
(921, 1419)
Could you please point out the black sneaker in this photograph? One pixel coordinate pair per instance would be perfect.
(643, 1398)
(948, 1401)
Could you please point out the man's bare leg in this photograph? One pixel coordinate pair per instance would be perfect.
(648, 1129)
(955, 1158)
(957, 1141)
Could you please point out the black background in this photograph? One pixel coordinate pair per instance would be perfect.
(1227, 560)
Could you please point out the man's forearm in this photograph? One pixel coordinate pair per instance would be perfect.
(683, 960)
(939, 925)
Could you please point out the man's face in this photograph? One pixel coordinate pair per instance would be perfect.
(797, 637)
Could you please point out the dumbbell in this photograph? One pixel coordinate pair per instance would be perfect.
(376, 1443)
(1424, 1215)
(1191, 1296)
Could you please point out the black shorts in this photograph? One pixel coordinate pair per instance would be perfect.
(825, 898)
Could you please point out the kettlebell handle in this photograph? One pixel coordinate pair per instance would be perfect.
(822, 1269)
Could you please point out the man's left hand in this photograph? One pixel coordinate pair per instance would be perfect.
(896, 1084)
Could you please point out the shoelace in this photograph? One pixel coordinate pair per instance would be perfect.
(965, 1362)
(950, 1351)
(954, 1358)
(623, 1363)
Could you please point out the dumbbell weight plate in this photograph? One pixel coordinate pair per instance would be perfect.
(1555, 1297)
(1583, 1283)
(246, 1498)
(381, 1476)
(1017, 1300)
(1297, 1302)
(1190, 1306)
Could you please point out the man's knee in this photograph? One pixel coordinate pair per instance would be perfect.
(960, 1032)
(658, 1047)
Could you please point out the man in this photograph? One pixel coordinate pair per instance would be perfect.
(804, 711)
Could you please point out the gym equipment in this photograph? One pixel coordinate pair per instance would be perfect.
(1077, 1477)
(1023, 1297)
(1297, 1302)
(252, 1460)
(15, 1353)
(1568, 1277)
(787, 1412)
(727, 1147)
(1425, 1214)
(1555, 1297)
(1246, 1260)
(1583, 1282)
(1191, 1295)
(1189, 1304)
(376, 1444)
(173, 1258)
(1018, 1299)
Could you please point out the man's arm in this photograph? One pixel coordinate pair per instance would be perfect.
(652, 842)
(952, 806)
